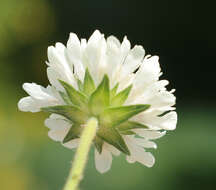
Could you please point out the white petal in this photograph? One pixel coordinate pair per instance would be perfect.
(113, 59)
(147, 74)
(58, 135)
(95, 37)
(59, 63)
(114, 40)
(130, 159)
(103, 161)
(112, 149)
(162, 100)
(28, 104)
(125, 47)
(57, 123)
(94, 56)
(74, 55)
(168, 121)
(56, 116)
(102, 66)
(42, 97)
(56, 55)
(37, 91)
(117, 58)
(149, 134)
(83, 45)
(72, 144)
(145, 143)
(74, 45)
(145, 158)
(143, 91)
(133, 60)
(138, 154)
(126, 81)
(53, 77)
(155, 95)
(155, 122)
(59, 128)
(151, 68)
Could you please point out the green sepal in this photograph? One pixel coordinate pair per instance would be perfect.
(98, 142)
(100, 98)
(80, 85)
(76, 97)
(116, 115)
(73, 133)
(72, 113)
(88, 86)
(113, 91)
(112, 136)
(120, 98)
(128, 125)
(65, 98)
(127, 133)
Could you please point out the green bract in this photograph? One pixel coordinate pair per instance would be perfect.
(103, 103)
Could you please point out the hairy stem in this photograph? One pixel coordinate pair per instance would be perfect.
(81, 156)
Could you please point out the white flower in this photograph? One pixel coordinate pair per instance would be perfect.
(83, 65)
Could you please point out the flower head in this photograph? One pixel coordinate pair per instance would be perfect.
(106, 79)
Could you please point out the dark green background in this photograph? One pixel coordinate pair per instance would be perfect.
(182, 33)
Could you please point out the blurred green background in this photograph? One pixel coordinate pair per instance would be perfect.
(182, 33)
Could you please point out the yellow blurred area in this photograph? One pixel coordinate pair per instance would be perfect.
(15, 178)
(32, 20)
(23, 22)
(17, 137)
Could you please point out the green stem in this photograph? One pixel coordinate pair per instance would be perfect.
(76, 173)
